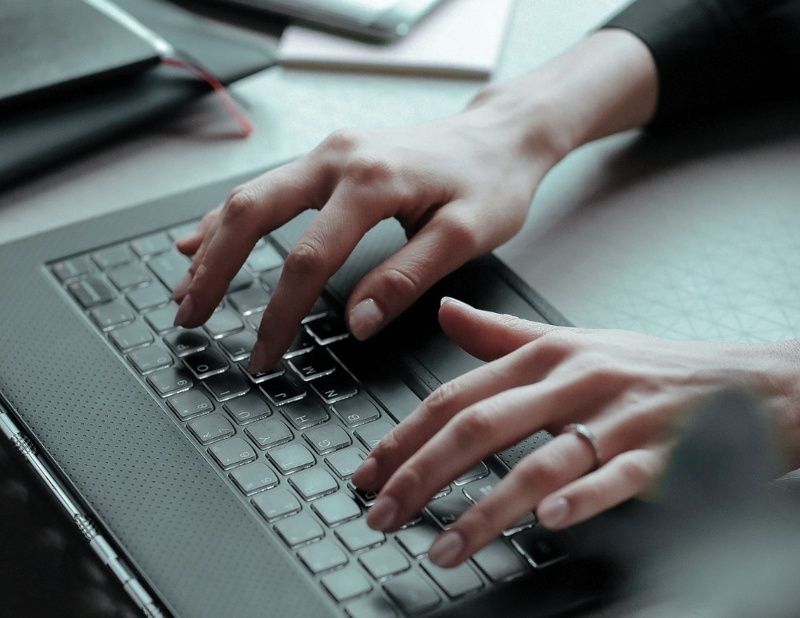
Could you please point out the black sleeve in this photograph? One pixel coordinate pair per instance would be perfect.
(715, 54)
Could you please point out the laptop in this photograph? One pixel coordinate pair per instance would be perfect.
(210, 492)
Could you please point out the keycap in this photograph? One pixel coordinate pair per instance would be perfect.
(170, 381)
(91, 291)
(336, 386)
(238, 345)
(241, 280)
(170, 268)
(210, 428)
(371, 606)
(254, 319)
(344, 463)
(478, 471)
(318, 310)
(367, 498)
(149, 296)
(346, 583)
(276, 503)
(372, 433)
(149, 359)
(270, 278)
(291, 457)
(162, 320)
(130, 336)
(268, 433)
(327, 438)
(357, 535)
(499, 562)
(448, 508)
(247, 408)
(223, 322)
(191, 403)
(254, 477)
(262, 376)
(183, 342)
(250, 299)
(112, 256)
(227, 385)
(322, 556)
(305, 413)
(303, 342)
(151, 244)
(417, 540)
(313, 364)
(71, 268)
(336, 509)
(111, 314)
(313, 483)
(356, 411)
(183, 230)
(541, 547)
(232, 452)
(206, 363)
(384, 561)
(129, 276)
(298, 529)
(412, 593)
(264, 258)
(282, 390)
(327, 329)
(456, 581)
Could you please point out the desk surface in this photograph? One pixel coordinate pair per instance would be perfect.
(689, 236)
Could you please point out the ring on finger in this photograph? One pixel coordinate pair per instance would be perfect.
(588, 436)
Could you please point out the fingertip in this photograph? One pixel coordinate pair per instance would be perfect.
(188, 245)
(366, 319)
(366, 474)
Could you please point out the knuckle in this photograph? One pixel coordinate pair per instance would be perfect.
(304, 259)
(440, 400)
(460, 231)
(365, 170)
(542, 472)
(239, 205)
(472, 424)
(387, 447)
(407, 480)
(340, 141)
(632, 471)
(399, 283)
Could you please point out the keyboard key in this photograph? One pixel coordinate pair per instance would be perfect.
(298, 529)
(183, 230)
(305, 413)
(223, 322)
(131, 336)
(162, 320)
(112, 256)
(153, 295)
(412, 593)
(327, 438)
(313, 483)
(336, 386)
(327, 329)
(336, 509)
(499, 562)
(91, 291)
(210, 428)
(111, 314)
(318, 310)
(254, 477)
(478, 471)
(170, 381)
(247, 408)
(238, 345)
(249, 299)
(71, 268)
(241, 280)
(151, 244)
(384, 561)
(227, 385)
(367, 498)
(282, 390)
(183, 342)
(356, 411)
(254, 319)
(456, 581)
(129, 276)
(449, 508)
(264, 258)
(303, 342)
(276, 503)
(345, 463)
(346, 583)
(170, 268)
(357, 535)
(372, 433)
(270, 279)
(268, 433)
(417, 540)
(313, 364)
(262, 376)
(291, 457)
(322, 556)
(207, 363)
(372, 606)
(149, 359)
(541, 547)
(232, 452)
(191, 403)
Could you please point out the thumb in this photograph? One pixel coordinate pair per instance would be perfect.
(485, 334)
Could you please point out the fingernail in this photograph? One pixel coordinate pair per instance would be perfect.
(365, 319)
(365, 475)
(446, 549)
(184, 311)
(258, 358)
(450, 299)
(552, 511)
(383, 513)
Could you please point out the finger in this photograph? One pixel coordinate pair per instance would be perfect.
(560, 461)
(188, 245)
(253, 210)
(624, 477)
(208, 229)
(485, 334)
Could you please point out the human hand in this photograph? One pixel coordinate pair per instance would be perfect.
(633, 391)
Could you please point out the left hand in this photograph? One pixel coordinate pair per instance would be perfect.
(632, 390)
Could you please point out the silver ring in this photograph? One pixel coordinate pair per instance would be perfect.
(587, 435)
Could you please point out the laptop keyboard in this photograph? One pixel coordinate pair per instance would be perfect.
(288, 440)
